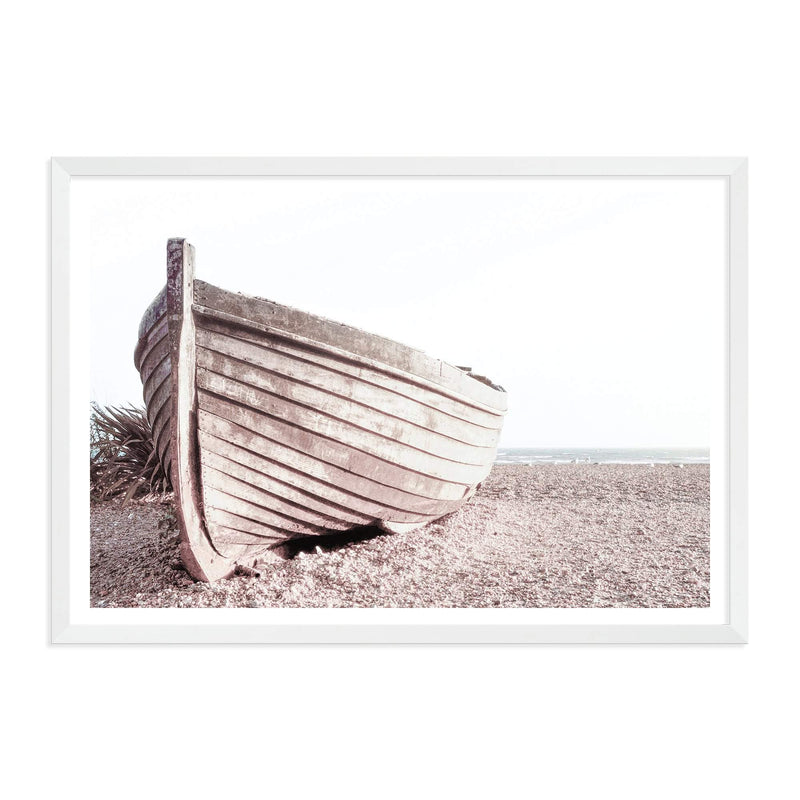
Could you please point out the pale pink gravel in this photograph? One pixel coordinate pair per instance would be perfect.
(576, 535)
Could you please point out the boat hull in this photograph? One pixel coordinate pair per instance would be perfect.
(276, 424)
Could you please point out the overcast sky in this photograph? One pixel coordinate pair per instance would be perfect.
(596, 303)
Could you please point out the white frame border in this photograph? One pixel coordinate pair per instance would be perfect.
(733, 631)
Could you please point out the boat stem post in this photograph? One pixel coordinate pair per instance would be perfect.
(202, 561)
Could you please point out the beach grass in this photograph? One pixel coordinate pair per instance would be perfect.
(122, 456)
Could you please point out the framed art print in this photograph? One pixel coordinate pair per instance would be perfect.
(399, 400)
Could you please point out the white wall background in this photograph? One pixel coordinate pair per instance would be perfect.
(572, 78)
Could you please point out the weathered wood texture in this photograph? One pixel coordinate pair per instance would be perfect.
(152, 359)
(202, 559)
(277, 423)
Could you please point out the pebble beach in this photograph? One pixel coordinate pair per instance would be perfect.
(541, 536)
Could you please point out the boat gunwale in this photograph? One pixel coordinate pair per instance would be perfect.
(361, 360)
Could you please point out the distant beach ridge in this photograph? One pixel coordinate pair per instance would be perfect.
(602, 455)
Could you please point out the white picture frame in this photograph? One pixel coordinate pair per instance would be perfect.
(73, 622)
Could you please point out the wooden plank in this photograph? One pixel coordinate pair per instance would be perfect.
(156, 310)
(158, 399)
(344, 364)
(307, 451)
(265, 533)
(339, 417)
(154, 354)
(152, 316)
(217, 499)
(301, 422)
(317, 479)
(235, 542)
(152, 351)
(143, 348)
(224, 537)
(160, 430)
(270, 486)
(292, 511)
(152, 382)
(211, 345)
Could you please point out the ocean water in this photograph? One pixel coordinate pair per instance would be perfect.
(604, 455)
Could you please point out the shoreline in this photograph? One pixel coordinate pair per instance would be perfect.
(536, 536)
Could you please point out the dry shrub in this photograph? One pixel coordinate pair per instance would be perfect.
(122, 456)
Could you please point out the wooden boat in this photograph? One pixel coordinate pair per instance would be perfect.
(276, 424)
